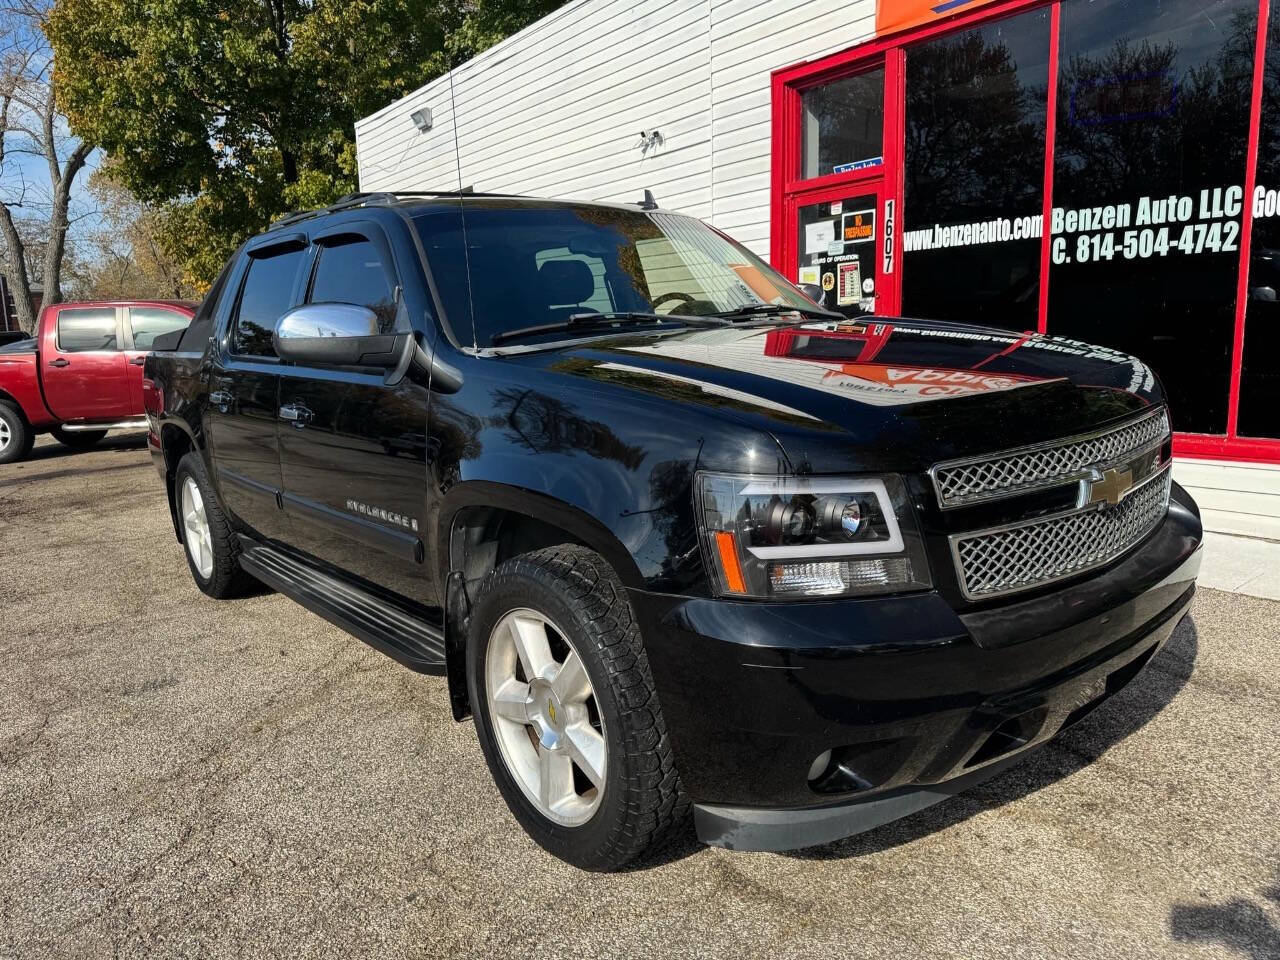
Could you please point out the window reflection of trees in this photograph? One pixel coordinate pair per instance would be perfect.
(843, 122)
(547, 424)
(1178, 128)
(975, 130)
(976, 120)
(254, 340)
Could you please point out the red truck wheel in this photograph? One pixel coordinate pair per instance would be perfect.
(16, 439)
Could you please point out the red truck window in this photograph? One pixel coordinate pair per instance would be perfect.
(148, 323)
(85, 329)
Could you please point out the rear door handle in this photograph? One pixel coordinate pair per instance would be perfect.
(60, 362)
(296, 413)
(221, 399)
(138, 361)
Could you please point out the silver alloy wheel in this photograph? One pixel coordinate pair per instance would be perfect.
(6, 435)
(542, 715)
(195, 523)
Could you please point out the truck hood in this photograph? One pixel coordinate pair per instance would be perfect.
(875, 394)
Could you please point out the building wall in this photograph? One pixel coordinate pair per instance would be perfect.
(557, 110)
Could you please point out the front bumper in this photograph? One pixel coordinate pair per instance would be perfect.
(915, 700)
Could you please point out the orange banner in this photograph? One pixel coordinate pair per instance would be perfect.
(893, 15)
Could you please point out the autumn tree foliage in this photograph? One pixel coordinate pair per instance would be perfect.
(223, 114)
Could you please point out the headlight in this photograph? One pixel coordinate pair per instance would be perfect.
(784, 538)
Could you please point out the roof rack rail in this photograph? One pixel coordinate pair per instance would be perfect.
(360, 199)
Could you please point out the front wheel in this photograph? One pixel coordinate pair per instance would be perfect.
(566, 710)
(78, 439)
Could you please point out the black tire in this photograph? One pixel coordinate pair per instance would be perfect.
(643, 803)
(78, 439)
(18, 436)
(226, 579)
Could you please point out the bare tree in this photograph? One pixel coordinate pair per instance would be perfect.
(31, 125)
(124, 256)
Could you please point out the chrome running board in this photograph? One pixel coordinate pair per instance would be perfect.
(139, 424)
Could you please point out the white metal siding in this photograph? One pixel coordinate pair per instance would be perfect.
(749, 40)
(557, 109)
(1238, 498)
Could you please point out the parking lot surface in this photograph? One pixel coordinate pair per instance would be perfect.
(181, 777)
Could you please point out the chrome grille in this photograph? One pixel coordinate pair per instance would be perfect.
(1032, 553)
(962, 482)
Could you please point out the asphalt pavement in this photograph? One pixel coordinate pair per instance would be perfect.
(181, 777)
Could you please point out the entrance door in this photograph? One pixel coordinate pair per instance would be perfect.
(840, 182)
(841, 237)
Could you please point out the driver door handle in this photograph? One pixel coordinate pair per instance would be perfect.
(138, 361)
(296, 413)
(60, 362)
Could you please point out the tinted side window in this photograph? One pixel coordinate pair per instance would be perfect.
(267, 293)
(351, 270)
(148, 323)
(87, 328)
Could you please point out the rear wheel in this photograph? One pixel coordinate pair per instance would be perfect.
(16, 439)
(77, 439)
(212, 548)
(566, 710)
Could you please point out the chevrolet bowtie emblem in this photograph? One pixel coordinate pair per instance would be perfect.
(1110, 487)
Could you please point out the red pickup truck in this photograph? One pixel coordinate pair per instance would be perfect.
(81, 375)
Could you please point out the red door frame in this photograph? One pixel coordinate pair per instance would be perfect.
(789, 190)
(885, 180)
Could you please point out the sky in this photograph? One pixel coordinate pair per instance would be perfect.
(25, 170)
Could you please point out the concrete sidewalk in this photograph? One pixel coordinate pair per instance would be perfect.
(1241, 565)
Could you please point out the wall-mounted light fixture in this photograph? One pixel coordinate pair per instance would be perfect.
(421, 119)
(650, 140)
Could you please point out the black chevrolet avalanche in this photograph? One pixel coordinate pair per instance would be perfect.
(678, 538)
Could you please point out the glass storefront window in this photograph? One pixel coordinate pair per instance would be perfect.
(1152, 130)
(843, 126)
(976, 112)
(1260, 374)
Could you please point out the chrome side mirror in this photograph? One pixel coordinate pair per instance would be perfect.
(327, 320)
(337, 334)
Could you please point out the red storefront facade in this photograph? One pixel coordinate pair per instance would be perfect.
(1101, 170)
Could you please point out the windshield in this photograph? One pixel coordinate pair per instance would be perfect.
(533, 264)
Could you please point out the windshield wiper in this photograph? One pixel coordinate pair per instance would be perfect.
(584, 321)
(777, 310)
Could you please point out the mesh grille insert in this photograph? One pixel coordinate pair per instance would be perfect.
(1019, 471)
(1029, 554)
